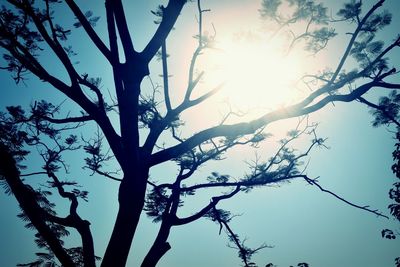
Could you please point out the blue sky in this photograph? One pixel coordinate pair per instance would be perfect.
(302, 223)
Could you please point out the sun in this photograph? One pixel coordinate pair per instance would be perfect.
(256, 73)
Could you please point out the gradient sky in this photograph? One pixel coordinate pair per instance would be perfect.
(302, 223)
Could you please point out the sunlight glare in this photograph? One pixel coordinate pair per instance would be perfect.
(256, 74)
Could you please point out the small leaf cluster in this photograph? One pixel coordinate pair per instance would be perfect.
(90, 18)
(156, 203)
(215, 177)
(389, 108)
(351, 11)
(316, 33)
(394, 192)
(158, 12)
(387, 233)
(49, 260)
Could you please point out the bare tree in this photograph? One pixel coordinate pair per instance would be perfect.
(30, 30)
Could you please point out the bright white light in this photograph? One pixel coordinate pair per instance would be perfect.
(256, 73)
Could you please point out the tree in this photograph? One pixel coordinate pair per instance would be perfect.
(386, 112)
(146, 133)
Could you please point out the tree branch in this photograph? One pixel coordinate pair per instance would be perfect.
(214, 201)
(68, 119)
(366, 208)
(353, 39)
(122, 26)
(382, 109)
(52, 42)
(112, 37)
(82, 226)
(31, 208)
(74, 93)
(245, 253)
(245, 128)
(159, 127)
(170, 15)
(108, 175)
(164, 56)
(89, 29)
(389, 85)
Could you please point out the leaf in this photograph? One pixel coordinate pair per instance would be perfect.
(351, 10)
(88, 13)
(269, 8)
(388, 234)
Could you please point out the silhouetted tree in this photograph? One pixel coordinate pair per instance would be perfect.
(385, 113)
(31, 32)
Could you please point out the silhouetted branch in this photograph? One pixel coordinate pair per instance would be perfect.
(389, 85)
(366, 208)
(89, 29)
(170, 15)
(245, 253)
(25, 57)
(299, 109)
(353, 39)
(92, 86)
(31, 208)
(33, 173)
(112, 38)
(122, 26)
(242, 184)
(52, 42)
(164, 56)
(245, 128)
(75, 221)
(108, 175)
(380, 108)
(64, 194)
(214, 201)
(68, 119)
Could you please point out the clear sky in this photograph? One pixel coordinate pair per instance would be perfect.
(302, 223)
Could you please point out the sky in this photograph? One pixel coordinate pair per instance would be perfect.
(302, 223)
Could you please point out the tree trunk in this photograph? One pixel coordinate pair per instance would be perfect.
(132, 190)
(87, 244)
(131, 200)
(160, 245)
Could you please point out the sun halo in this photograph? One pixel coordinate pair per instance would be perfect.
(256, 74)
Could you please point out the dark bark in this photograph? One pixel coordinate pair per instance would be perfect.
(160, 245)
(132, 189)
(75, 221)
(131, 197)
(87, 243)
(131, 200)
(170, 14)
